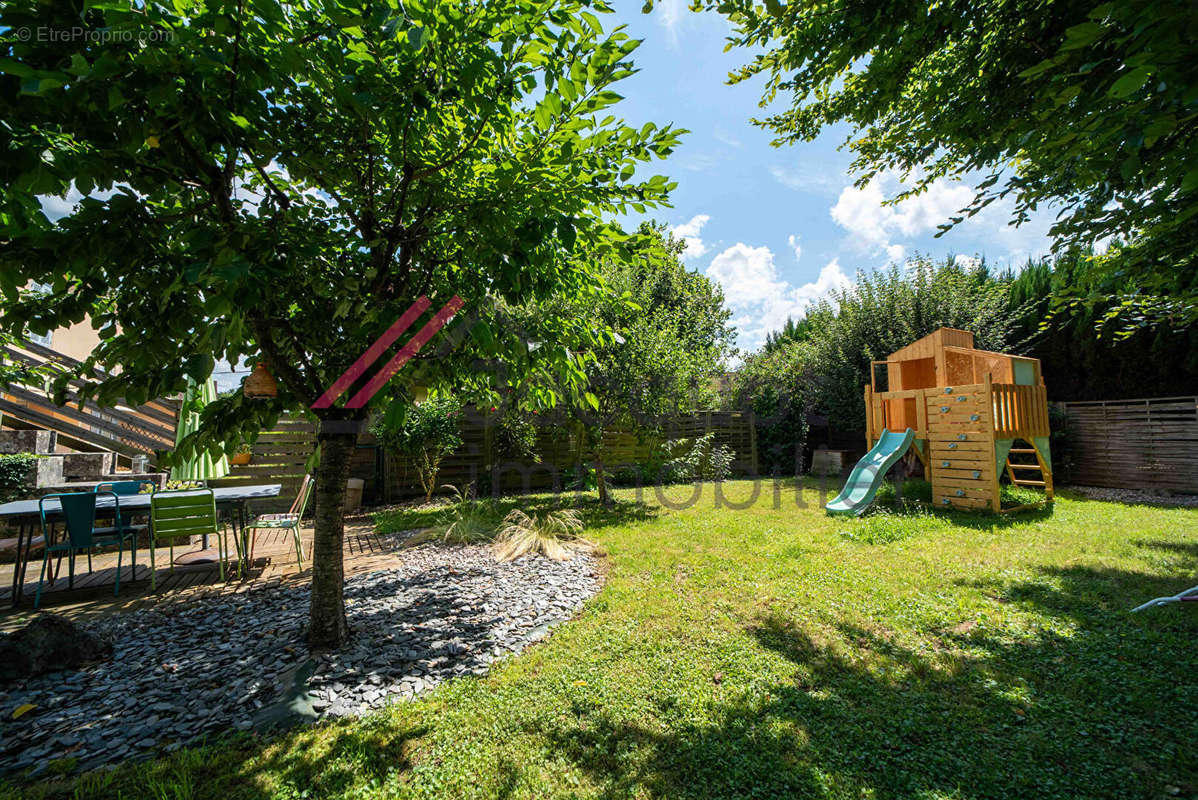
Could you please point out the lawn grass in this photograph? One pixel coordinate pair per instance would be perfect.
(771, 651)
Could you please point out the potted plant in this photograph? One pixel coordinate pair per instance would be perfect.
(244, 454)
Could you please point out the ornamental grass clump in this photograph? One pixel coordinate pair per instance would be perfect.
(555, 535)
(464, 520)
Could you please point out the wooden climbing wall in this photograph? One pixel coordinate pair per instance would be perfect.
(961, 447)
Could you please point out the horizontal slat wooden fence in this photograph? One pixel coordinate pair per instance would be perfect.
(282, 456)
(1134, 444)
(128, 430)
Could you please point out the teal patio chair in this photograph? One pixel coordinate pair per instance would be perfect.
(289, 521)
(79, 517)
(181, 515)
(122, 488)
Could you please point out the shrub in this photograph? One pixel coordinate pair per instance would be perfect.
(698, 459)
(777, 387)
(556, 534)
(13, 472)
(424, 434)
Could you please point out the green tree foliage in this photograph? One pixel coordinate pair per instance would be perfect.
(777, 386)
(793, 331)
(1088, 107)
(672, 339)
(1087, 353)
(423, 435)
(280, 181)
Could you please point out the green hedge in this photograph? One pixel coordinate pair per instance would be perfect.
(13, 469)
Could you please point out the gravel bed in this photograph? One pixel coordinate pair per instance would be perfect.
(239, 662)
(1135, 496)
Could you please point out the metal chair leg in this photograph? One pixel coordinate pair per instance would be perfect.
(153, 568)
(120, 551)
(299, 548)
(37, 599)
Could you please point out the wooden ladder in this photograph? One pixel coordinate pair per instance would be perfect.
(1015, 468)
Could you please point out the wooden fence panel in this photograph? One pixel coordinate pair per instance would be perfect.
(1134, 444)
(282, 455)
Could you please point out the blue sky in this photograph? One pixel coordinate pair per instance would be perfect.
(778, 227)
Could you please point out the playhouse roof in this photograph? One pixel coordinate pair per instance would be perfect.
(934, 341)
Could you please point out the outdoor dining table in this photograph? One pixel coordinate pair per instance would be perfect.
(232, 500)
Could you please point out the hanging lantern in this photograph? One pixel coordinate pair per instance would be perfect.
(260, 383)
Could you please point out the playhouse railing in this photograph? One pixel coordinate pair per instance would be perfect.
(1020, 412)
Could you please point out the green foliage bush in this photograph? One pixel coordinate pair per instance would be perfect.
(13, 470)
(423, 435)
(697, 459)
(777, 386)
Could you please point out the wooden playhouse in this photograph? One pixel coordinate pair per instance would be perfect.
(975, 414)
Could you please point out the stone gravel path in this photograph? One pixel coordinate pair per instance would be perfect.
(1136, 496)
(239, 661)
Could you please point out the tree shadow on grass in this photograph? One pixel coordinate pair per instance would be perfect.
(594, 513)
(1068, 698)
(327, 760)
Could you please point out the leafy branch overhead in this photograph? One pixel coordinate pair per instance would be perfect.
(1087, 108)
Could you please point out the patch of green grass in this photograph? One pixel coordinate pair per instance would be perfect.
(744, 647)
(885, 525)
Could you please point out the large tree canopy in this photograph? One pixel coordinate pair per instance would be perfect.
(279, 181)
(1090, 108)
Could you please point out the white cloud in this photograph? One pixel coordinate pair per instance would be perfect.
(670, 17)
(689, 232)
(804, 179)
(863, 213)
(873, 225)
(726, 138)
(760, 300)
(793, 241)
(968, 262)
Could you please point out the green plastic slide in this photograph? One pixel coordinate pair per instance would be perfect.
(862, 486)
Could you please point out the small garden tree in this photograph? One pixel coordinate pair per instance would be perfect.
(672, 339)
(423, 435)
(280, 181)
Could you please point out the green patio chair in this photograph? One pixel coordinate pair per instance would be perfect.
(181, 515)
(79, 517)
(289, 521)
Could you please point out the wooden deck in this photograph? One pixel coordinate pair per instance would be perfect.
(274, 565)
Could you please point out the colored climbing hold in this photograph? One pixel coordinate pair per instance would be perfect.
(961, 436)
(952, 446)
(944, 500)
(961, 398)
(974, 417)
(960, 493)
(977, 473)
(944, 464)
(948, 390)
(943, 409)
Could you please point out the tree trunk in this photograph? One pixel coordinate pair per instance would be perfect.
(327, 628)
(600, 482)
